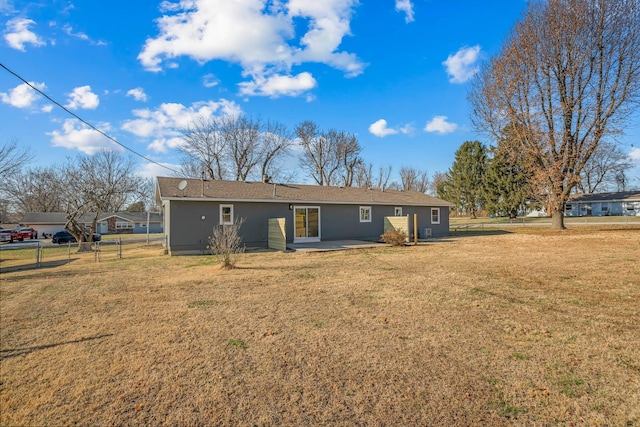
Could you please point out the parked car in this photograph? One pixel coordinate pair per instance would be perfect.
(23, 233)
(65, 237)
(5, 235)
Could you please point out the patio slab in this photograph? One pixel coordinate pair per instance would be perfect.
(333, 245)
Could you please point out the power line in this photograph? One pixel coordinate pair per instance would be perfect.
(84, 121)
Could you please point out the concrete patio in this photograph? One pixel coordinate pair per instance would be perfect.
(333, 245)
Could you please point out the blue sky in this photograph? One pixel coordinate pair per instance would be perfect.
(393, 72)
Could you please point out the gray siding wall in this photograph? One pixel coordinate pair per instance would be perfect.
(189, 232)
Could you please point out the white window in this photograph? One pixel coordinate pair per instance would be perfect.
(435, 215)
(124, 225)
(397, 211)
(226, 214)
(365, 213)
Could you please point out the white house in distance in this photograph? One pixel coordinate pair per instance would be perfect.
(108, 223)
(604, 204)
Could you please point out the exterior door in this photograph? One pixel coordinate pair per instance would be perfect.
(306, 224)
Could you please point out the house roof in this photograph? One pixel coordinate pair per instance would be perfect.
(227, 191)
(626, 196)
(61, 217)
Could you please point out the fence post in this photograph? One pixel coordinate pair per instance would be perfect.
(120, 247)
(68, 252)
(38, 255)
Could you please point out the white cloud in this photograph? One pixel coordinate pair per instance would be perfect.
(379, 128)
(634, 155)
(210, 80)
(152, 170)
(47, 108)
(76, 136)
(22, 96)
(17, 34)
(82, 97)
(138, 94)
(407, 7)
(163, 125)
(440, 125)
(407, 129)
(82, 36)
(275, 86)
(462, 65)
(262, 39)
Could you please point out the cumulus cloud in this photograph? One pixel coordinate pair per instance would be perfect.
(405, 6)
(82, 97)
(17, 34)
(634, 155)
(379, 128)
(76, 136)
(440, 125)
(163, 125)
(152, 170)
(277, 85)
(262, 39)
(22, 96)
(462, 65)
(138, 94)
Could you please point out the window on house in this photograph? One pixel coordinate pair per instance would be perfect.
(365, 213)
(123, 225)
(397, 211)
(435, 215)
(226, 214)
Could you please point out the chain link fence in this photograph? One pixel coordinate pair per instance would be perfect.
(38, 254)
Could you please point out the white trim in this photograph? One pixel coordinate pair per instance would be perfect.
(307, 239)
(361, 210)
(397, 211)
(432, 211)
(222, 206)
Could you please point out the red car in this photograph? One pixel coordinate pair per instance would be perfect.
(23, 233)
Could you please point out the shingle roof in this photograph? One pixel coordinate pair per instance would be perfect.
(629, 196)
(217, 190)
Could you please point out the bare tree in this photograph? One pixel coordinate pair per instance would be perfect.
(348, 152)
(35, 190)
(382, 180)
(363, 175)
(437, 184)
(568, 75)
(318, 157)
(204, 149)
(275, 143)
(97, 184)
(242, 136)
(12, 159)
(414, 179)
(602, 170)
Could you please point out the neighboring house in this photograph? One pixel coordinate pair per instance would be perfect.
(192, 207)
(108, 223)
(604, 204)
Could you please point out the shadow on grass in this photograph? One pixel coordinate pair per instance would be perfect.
(14, 352)
(34, 266)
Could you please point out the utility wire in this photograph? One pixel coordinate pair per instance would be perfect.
(84, 121)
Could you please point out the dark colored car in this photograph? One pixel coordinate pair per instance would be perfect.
(65, 237)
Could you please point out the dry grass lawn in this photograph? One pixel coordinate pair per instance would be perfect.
(521, 328)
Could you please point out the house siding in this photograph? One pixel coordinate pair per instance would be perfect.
(189, 232)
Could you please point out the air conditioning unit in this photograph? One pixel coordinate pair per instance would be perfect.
(427, 232)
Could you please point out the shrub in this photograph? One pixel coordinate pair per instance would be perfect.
(394, 237)
(226, 243)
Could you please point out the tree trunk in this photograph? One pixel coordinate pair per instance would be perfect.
(557, 215)
(85, 246)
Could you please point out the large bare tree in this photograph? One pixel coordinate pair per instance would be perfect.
(96, 184)
(12, 159)
(569, 76)
(318, 156)
(603, 170)
(414, 179)
(204, 149)
(35, 190)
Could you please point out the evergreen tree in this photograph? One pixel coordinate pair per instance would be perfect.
(506, 183)
(465, 184)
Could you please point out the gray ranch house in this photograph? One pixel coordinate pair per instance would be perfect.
(604, 204)
(309, 213)
(108, 223)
